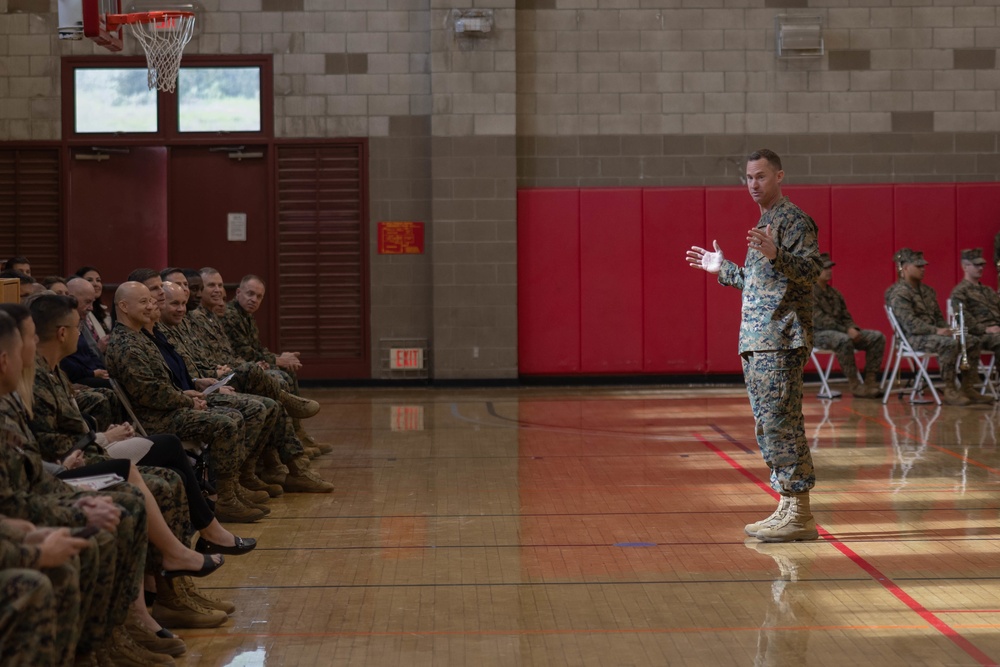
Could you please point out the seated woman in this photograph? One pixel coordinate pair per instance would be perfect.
(100, 317)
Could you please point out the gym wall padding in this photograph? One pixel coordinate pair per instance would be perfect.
(604, 288)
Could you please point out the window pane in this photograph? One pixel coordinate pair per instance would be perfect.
(114, 100)
(219, 99)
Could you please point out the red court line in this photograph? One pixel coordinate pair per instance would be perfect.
(970, 649)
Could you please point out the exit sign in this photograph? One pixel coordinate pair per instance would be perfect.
(406, 358)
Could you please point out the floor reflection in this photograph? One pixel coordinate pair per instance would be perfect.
(783, 639)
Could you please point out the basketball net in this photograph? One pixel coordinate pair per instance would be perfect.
(163, 36)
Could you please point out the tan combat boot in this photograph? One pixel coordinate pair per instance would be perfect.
(229, 508)
(149, 640)
(249, 480)
(272, 470)
(308, 441)
(126, 653)
(752, 529)
(951, 395)
(871, 382)
(174, 608)
(190, 589)
(298, 407)
(250, 499)
(795, 525)
(302, 479)
(969, 390)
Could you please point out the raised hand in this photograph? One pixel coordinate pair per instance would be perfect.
(706, 260)
(762, 241)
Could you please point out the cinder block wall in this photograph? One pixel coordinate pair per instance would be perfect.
(570, 93)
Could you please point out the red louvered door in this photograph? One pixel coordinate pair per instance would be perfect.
(29, 208)
(322, 262)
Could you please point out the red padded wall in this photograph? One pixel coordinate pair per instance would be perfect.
(925, 221)
(611, 280)
(548, 281)
(673, 292)
(862, 244)
(978, 222)
(729, 214)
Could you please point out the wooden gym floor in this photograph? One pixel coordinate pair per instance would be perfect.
(605, 527)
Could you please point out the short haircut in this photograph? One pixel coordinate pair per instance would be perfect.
(142, 275)
(208, 271)
(48, 312)
(8, 326)
(16, 312)
(9, 264)
(169, 271)
(49, 281)
(23, 277)
(766, 154)
(248, 277)
(191, 273)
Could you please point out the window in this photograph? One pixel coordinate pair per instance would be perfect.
(108, 99)
(218, 99)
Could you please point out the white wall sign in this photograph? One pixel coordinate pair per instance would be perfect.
(237, 228)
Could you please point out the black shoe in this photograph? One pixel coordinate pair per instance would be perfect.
(208, 568)
(244, 545)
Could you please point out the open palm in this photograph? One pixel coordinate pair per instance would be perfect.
(706, 260)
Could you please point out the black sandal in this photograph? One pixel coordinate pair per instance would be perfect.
(208, 568)
(243, 545)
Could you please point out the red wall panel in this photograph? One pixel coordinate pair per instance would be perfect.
(925, 221)
(978, 222)
(611, 280)
(862, 244)
(548, 281)
(729, 214)
(673, 292)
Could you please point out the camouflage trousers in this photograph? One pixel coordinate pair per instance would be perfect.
(221, 429)
(989, 343)
(870, 341)
(267, 387)
(774, 385)
(167, 488)
(28, 619)
(101, 405)
(948, 349)
(260, 418)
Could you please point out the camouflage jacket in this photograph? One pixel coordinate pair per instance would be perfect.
(183, 339)
(244, 335)
(27, 491)
(980, 304)
(14, 552)
(209, 340)
(56, 420)
(890, 291)
(135, 362)
(777, 296)
(830, 310)
(917, 309)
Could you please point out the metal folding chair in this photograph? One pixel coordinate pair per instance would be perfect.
(917, 360)
(824, 373)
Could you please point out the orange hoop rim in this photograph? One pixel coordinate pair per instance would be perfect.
(114, 21)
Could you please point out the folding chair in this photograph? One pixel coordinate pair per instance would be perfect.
(991, 378)
(917, 360)
(824, 373)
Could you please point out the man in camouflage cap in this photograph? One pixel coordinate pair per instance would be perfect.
(980, 304)
(916, 309)
(781, 265)
(836, 330)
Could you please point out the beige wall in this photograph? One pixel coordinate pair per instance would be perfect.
(568, 93)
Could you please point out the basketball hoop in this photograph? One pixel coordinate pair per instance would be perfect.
(163, 36)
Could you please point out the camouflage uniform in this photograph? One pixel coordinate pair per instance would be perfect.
(832, 321)
(28, 492)
(36, 643)
(203, 345)
(982, 310)
(134, 360)
(919, 316)
(57, 424)
(775, 338)
(243, 334)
